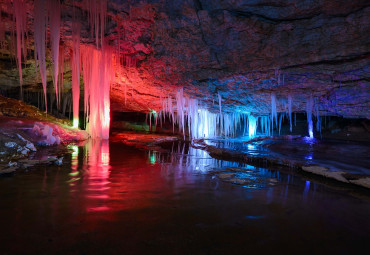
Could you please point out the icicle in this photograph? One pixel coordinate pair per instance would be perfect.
(97, 12)
(21, 24)
(54, 17)
(76, 28)
(273, 108)
(61, 73)
(290, 111)
(309, 107)
(280, 121)
(40, 24)
(318, 122)
(252, 126)
(219, 103)
(295, 119)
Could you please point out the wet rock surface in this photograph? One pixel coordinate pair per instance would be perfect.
(29, 137)
(341, 161)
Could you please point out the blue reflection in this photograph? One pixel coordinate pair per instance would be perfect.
(254, 217)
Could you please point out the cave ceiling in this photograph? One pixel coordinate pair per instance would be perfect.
(241, 50)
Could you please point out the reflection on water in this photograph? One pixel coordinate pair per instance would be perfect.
(116, 199)
(97, 171)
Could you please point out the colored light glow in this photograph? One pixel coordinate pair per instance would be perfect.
(252, 127)
(74, 164)
(75, 151)
(309, 156)
(254, 217)
(73, 173)
(152, 158)
(76, 123)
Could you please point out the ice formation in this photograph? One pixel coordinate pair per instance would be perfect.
(76, 30)
(309, 108)
(97, 16)
(21, 25)
(199, 122)
(290, 112)
(46, 132)
(54, 17)
(40, 24)
(98, 73)
(252, 126)
(273, 108)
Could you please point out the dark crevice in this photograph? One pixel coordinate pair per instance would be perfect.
(248, 14)
(198, 5)
(348, 59)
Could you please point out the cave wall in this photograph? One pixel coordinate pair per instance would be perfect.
(242, 50)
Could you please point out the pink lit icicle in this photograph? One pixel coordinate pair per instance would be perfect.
(40, 24)
(97, 13)
(76, 29)
(98, 73)
(54, 14)
(21, 23)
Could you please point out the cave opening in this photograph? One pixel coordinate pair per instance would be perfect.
(184, 127)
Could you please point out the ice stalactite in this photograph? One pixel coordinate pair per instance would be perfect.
(290, 112)
(40, 23)
(97, 16)
(273, 110)
(21, 26)
(98, 73)
(318, 117)
(180, 103)
(61, 73)
(252, 126)
(309, 108)
(54, 19)
(199, 122)
(219, 102)
(76, 30)
(281, 118)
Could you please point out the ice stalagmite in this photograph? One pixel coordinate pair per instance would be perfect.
(40, 24)
(21, 23)
(54, 17)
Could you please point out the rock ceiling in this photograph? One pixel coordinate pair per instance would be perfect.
(242, 50)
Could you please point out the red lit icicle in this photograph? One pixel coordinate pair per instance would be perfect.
(97, 16)
(40, 23)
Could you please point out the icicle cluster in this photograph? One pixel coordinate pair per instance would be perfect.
(97, 17)
(198, 122)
